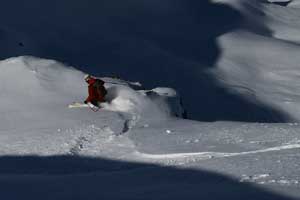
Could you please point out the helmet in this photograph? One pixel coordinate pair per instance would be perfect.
(87, 76)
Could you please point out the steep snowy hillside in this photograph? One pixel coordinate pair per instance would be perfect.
(234, 67)
(46, 146)
(264, 68)
(178, 44)
(35, 94)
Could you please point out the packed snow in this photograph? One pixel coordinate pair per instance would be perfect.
(141, 144)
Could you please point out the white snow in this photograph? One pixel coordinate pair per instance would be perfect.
(35, 94)
(138, 146)
(132, 126)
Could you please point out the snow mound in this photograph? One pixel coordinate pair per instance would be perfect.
(166, 99)
(262, 65)
(35, 118)
(29, 83)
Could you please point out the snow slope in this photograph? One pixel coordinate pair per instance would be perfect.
(135, 136)
(262, 64)
(129, 39)
(35, 94)
(135, 148)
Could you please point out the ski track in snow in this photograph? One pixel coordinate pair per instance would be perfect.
(129, 122)
(75, 150)
(209, 155)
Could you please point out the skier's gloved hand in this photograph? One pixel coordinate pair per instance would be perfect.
(85, 102)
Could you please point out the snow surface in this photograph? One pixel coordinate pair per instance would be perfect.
(139, 146)
(49, 146)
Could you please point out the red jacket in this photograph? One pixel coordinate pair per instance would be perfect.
(95, 95)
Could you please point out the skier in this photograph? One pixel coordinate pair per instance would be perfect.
(96, 90)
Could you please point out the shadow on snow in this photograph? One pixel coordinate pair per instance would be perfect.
(169, 43)
(65, 177)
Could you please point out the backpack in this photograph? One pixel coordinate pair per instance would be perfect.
(99, 85)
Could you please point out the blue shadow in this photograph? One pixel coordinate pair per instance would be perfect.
(74, 178)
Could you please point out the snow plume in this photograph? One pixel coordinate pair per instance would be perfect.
(124, 99)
